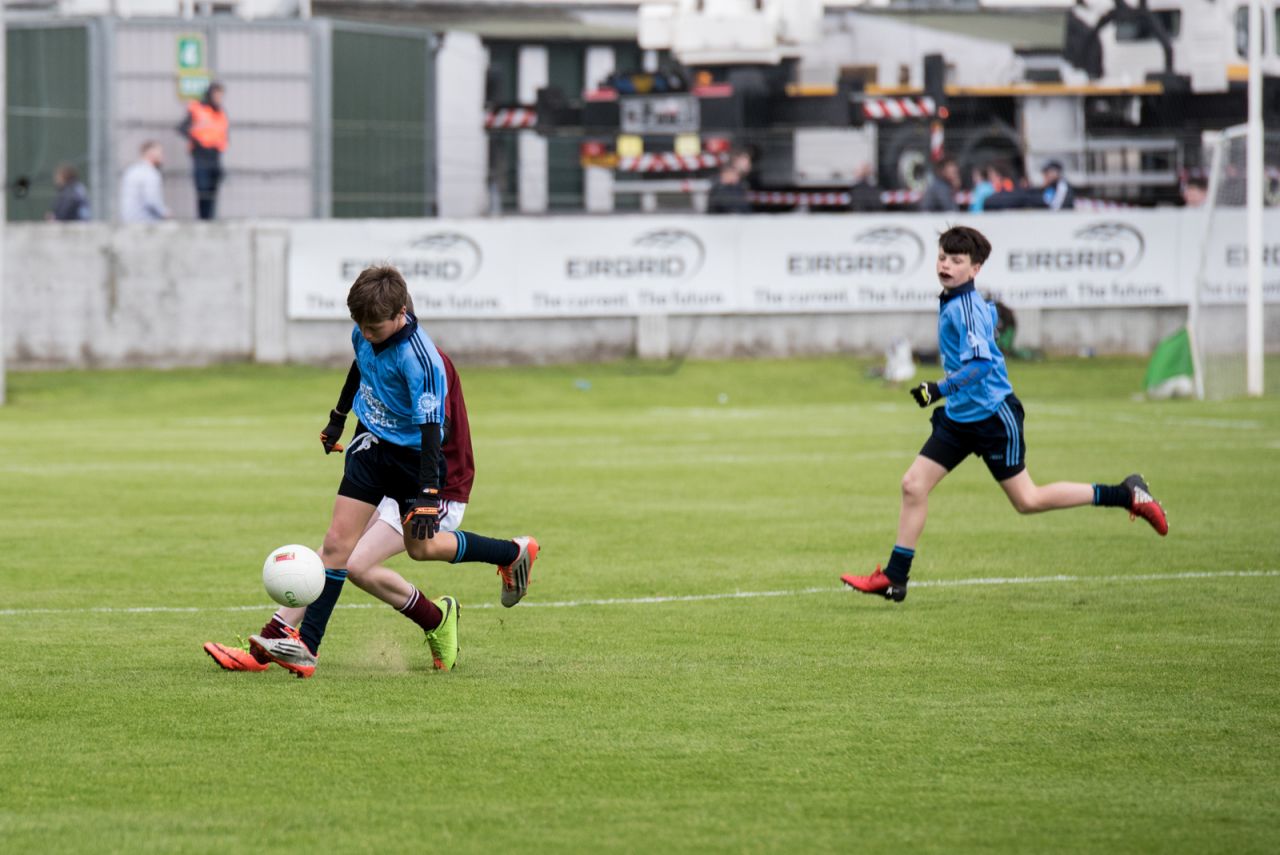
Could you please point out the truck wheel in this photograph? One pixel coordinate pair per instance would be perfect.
(905, 165)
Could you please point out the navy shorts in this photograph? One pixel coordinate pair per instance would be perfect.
(376, 468)
(997, 439)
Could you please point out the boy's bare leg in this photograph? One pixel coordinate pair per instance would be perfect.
(378, 543)
(1028, 498)
(365, 567)
(922, 476)
(350, 519)
(891, 582)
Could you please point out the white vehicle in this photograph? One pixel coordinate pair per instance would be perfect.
(1125, 108)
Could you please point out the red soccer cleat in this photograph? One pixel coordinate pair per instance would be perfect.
(1144, 505)
(234, 658)
(876, 583)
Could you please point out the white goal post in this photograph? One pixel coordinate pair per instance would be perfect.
(1227, 313)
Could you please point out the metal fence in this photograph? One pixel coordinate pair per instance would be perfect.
(326, 118)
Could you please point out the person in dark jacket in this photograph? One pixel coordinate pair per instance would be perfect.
(1058, 194)
(72, 201)
(940, 195)
(205, 128)
(864, 195)
(729, 194)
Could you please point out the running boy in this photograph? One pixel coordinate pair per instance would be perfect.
(397, 387)
(384, 535)
(982, 416)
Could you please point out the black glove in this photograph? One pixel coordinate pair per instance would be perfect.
(424, 520)
(926, 394)
(333, 432)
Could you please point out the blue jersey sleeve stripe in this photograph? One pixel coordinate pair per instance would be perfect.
(429, 377)
(420, 351)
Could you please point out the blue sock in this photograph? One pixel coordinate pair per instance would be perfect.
(899, 564)
(317, 616)
(488, 550)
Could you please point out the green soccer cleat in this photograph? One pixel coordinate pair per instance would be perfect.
(443, 640)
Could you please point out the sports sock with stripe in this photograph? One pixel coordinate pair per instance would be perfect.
(274, 628)
(488, 550)
(422, 611)
(899, 564)
(317, 617)
(1112, 496)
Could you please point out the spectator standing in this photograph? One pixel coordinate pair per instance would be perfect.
(1058, 194)
(205, 128)
(142, 187)
(940, 195)
(728, 194)
(72, 200)
(983, 187)
(864, 195)
(743, 161)
(1195, 191)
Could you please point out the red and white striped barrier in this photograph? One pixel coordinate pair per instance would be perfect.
(900, 197)
(510, 117)
(671, 162)
(899, 108)
(1100, 205)
(829, 199)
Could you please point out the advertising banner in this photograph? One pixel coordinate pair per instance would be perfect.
(631, 265)
(1216, 252)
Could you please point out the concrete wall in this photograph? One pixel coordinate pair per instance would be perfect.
(94, 295)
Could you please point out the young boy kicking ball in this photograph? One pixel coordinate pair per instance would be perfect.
(397, 387)
(982, 416)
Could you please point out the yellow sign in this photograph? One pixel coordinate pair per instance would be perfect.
(630, 145)
(688, 145)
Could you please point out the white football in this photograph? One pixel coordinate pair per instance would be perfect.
(293, 575)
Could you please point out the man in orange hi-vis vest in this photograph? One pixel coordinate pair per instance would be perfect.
(205, 128)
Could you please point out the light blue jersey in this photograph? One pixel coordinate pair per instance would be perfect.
(402, 385)
(967, 331)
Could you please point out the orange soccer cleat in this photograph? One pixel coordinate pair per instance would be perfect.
(234, 658)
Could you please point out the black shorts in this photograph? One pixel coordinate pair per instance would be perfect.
(997, 439)
(376, 468)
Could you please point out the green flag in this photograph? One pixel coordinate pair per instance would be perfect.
(1171, 373)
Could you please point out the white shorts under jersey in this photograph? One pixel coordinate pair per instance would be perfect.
(450, 518)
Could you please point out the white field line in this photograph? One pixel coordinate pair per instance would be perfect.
(690, 598)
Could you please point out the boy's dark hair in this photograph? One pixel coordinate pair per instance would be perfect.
(1199, 182)
(962, 240)
(378, 294)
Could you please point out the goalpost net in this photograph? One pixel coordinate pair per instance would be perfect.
(1218, 315)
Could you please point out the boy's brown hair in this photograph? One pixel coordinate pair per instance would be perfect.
(378, 294)
(962, 240)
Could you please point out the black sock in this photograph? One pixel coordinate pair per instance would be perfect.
(489, 550)
(1112, 496)
(899, 565)
(317, 616)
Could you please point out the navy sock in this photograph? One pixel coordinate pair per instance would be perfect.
(899, 564)
(489, 550)
(317, 616)
(1112, 496)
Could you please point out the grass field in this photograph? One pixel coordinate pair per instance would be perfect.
(1132, 708)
